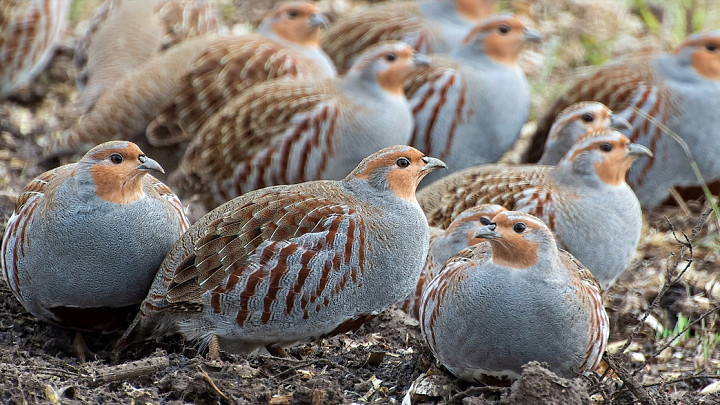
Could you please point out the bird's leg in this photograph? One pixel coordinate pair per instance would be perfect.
(81, 349)
(214, 348)
(276, 351)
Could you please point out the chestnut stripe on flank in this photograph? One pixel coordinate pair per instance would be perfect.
(275, 276)
(253, 280)
(303, 274)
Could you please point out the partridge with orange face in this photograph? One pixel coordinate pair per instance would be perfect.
(445, 243)
(657, 93)
(574, 122)
(579, 199)
(294, 263)
(29, 31)
(494, 308)
(228, 67)
(123, 35)
(85, 240)
(286, 132)
(175, 92)
(429, 26)
(469, 109)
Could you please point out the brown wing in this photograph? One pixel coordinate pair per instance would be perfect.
(268, 114)
(613, 85)
(589, 293)
(226, 68)
(259, 234)
(356, 32)
(520, 188)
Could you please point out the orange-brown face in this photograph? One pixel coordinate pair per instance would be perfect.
(706, 58)
(295, 22)
(398, 61)
(512, 248)
(475, 10)
(616, 156)
(592, 119)
(118, 172)
(404, 167)
(503, 38)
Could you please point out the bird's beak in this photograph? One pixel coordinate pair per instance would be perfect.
(487, 232)
(637, 150)
(148, 165)
(318, 20)
(432, 163)
(620, 123)
(420, 59)
(531, 35)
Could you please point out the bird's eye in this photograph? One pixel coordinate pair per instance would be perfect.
(403, 162)
(504, 29)
(711, 46)
(390, 57)
(485, 220)
(606, 147)
(292, 13)
(519, 227)
(587, 117)
(116, 158)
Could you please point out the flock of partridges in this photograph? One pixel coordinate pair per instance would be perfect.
(305, 144)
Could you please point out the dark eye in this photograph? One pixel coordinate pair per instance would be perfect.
(606, 147)
(587, 117)
(519, 227)
(390, 57)
(116, 158)
(711, 46)
(485, 220)
(403, 162)
(292, 13)
(504, 29)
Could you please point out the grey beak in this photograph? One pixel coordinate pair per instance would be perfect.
(531, 35)
(635, 149)
(620, 123)
(487, 232)
(420, 59)
(149, 165)
(318, 20)
(432, 163)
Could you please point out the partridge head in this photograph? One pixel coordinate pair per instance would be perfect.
(285, 132)
(298, 25)
(460, 234)
(512, 300)
(574, 122)
(29, 31)
(579, 199)
(469, 108)
(86, 239)
(294, 263)
(657, 94)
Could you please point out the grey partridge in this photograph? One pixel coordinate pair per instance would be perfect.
(294, 263)
(469, 108)
(514, 299)
(85, 240)
(285, 132)
(584, 199)
(659, 93)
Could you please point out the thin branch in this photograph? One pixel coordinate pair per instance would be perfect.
(674, 338)
(684, 378)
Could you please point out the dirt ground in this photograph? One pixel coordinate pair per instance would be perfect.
(670, 284)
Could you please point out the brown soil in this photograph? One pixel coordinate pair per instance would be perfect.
(384, 361)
